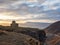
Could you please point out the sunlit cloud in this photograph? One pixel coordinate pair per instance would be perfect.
(49, 21)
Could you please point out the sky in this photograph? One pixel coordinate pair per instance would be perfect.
(47, 11)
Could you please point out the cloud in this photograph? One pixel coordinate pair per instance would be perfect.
(51, 4)
(30, 9)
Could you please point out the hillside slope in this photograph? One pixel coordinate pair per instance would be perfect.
(13, 38)
(53, 33)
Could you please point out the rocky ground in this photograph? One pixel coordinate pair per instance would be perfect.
(13, 38)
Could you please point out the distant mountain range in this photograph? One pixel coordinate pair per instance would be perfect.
(35, 25)
(30, 24)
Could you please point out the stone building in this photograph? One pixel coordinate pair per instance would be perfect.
(14, 24)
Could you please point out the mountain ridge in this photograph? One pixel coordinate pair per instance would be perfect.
(54, 28)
